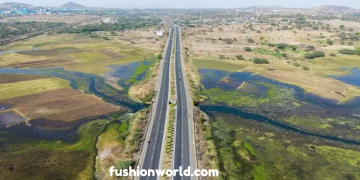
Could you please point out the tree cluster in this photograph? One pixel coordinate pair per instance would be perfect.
(314, 55)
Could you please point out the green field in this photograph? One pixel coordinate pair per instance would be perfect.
(73, 52)
(89, 57)
(217, 64)
(16, 89)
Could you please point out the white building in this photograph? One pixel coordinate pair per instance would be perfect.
(159, 33)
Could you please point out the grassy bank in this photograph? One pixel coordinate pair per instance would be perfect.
(120, 144)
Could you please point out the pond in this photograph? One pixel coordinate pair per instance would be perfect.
(209, 77)
(233, 81)
(10, 118)
(353, 78)
(14, 51)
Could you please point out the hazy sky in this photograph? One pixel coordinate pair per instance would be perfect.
(192, 3)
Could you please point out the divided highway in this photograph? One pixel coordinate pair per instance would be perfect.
(153, 145)
(183, 134)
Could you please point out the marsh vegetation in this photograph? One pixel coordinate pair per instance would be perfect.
(287, 109)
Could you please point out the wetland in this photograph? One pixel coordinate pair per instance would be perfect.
(254, 119)
(57, 101)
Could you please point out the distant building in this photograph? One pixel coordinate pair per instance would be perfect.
(159, 33)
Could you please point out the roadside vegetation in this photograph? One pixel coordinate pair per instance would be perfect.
(121, 142)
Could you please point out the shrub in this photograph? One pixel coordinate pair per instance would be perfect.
(239, 57)
(250, 41)
(310, 47)
(332, 54)
(305, 68)
(281, 46)
(314, 55)
(296, 64)
(330, 42)
(125, 164)
(260, 61)
(228, 41)
(347, 51)
(293, 48)
(247, 48)
(221, 57)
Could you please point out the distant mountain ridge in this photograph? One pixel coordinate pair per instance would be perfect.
(12, 4)
(71, 5)
(271, 7)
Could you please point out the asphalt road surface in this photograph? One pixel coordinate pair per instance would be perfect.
(153, 153)
(182, 141)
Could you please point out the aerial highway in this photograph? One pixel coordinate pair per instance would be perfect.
(184, 156)
(154, 143)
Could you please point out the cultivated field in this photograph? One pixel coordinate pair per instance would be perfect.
(59, 105)
(77, 53)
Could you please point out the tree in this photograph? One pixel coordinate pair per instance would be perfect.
(247, 48)
(342, 27)
(239, 57)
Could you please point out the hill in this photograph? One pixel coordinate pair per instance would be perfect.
(8, 5)
(273, 7)
(71, 5)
